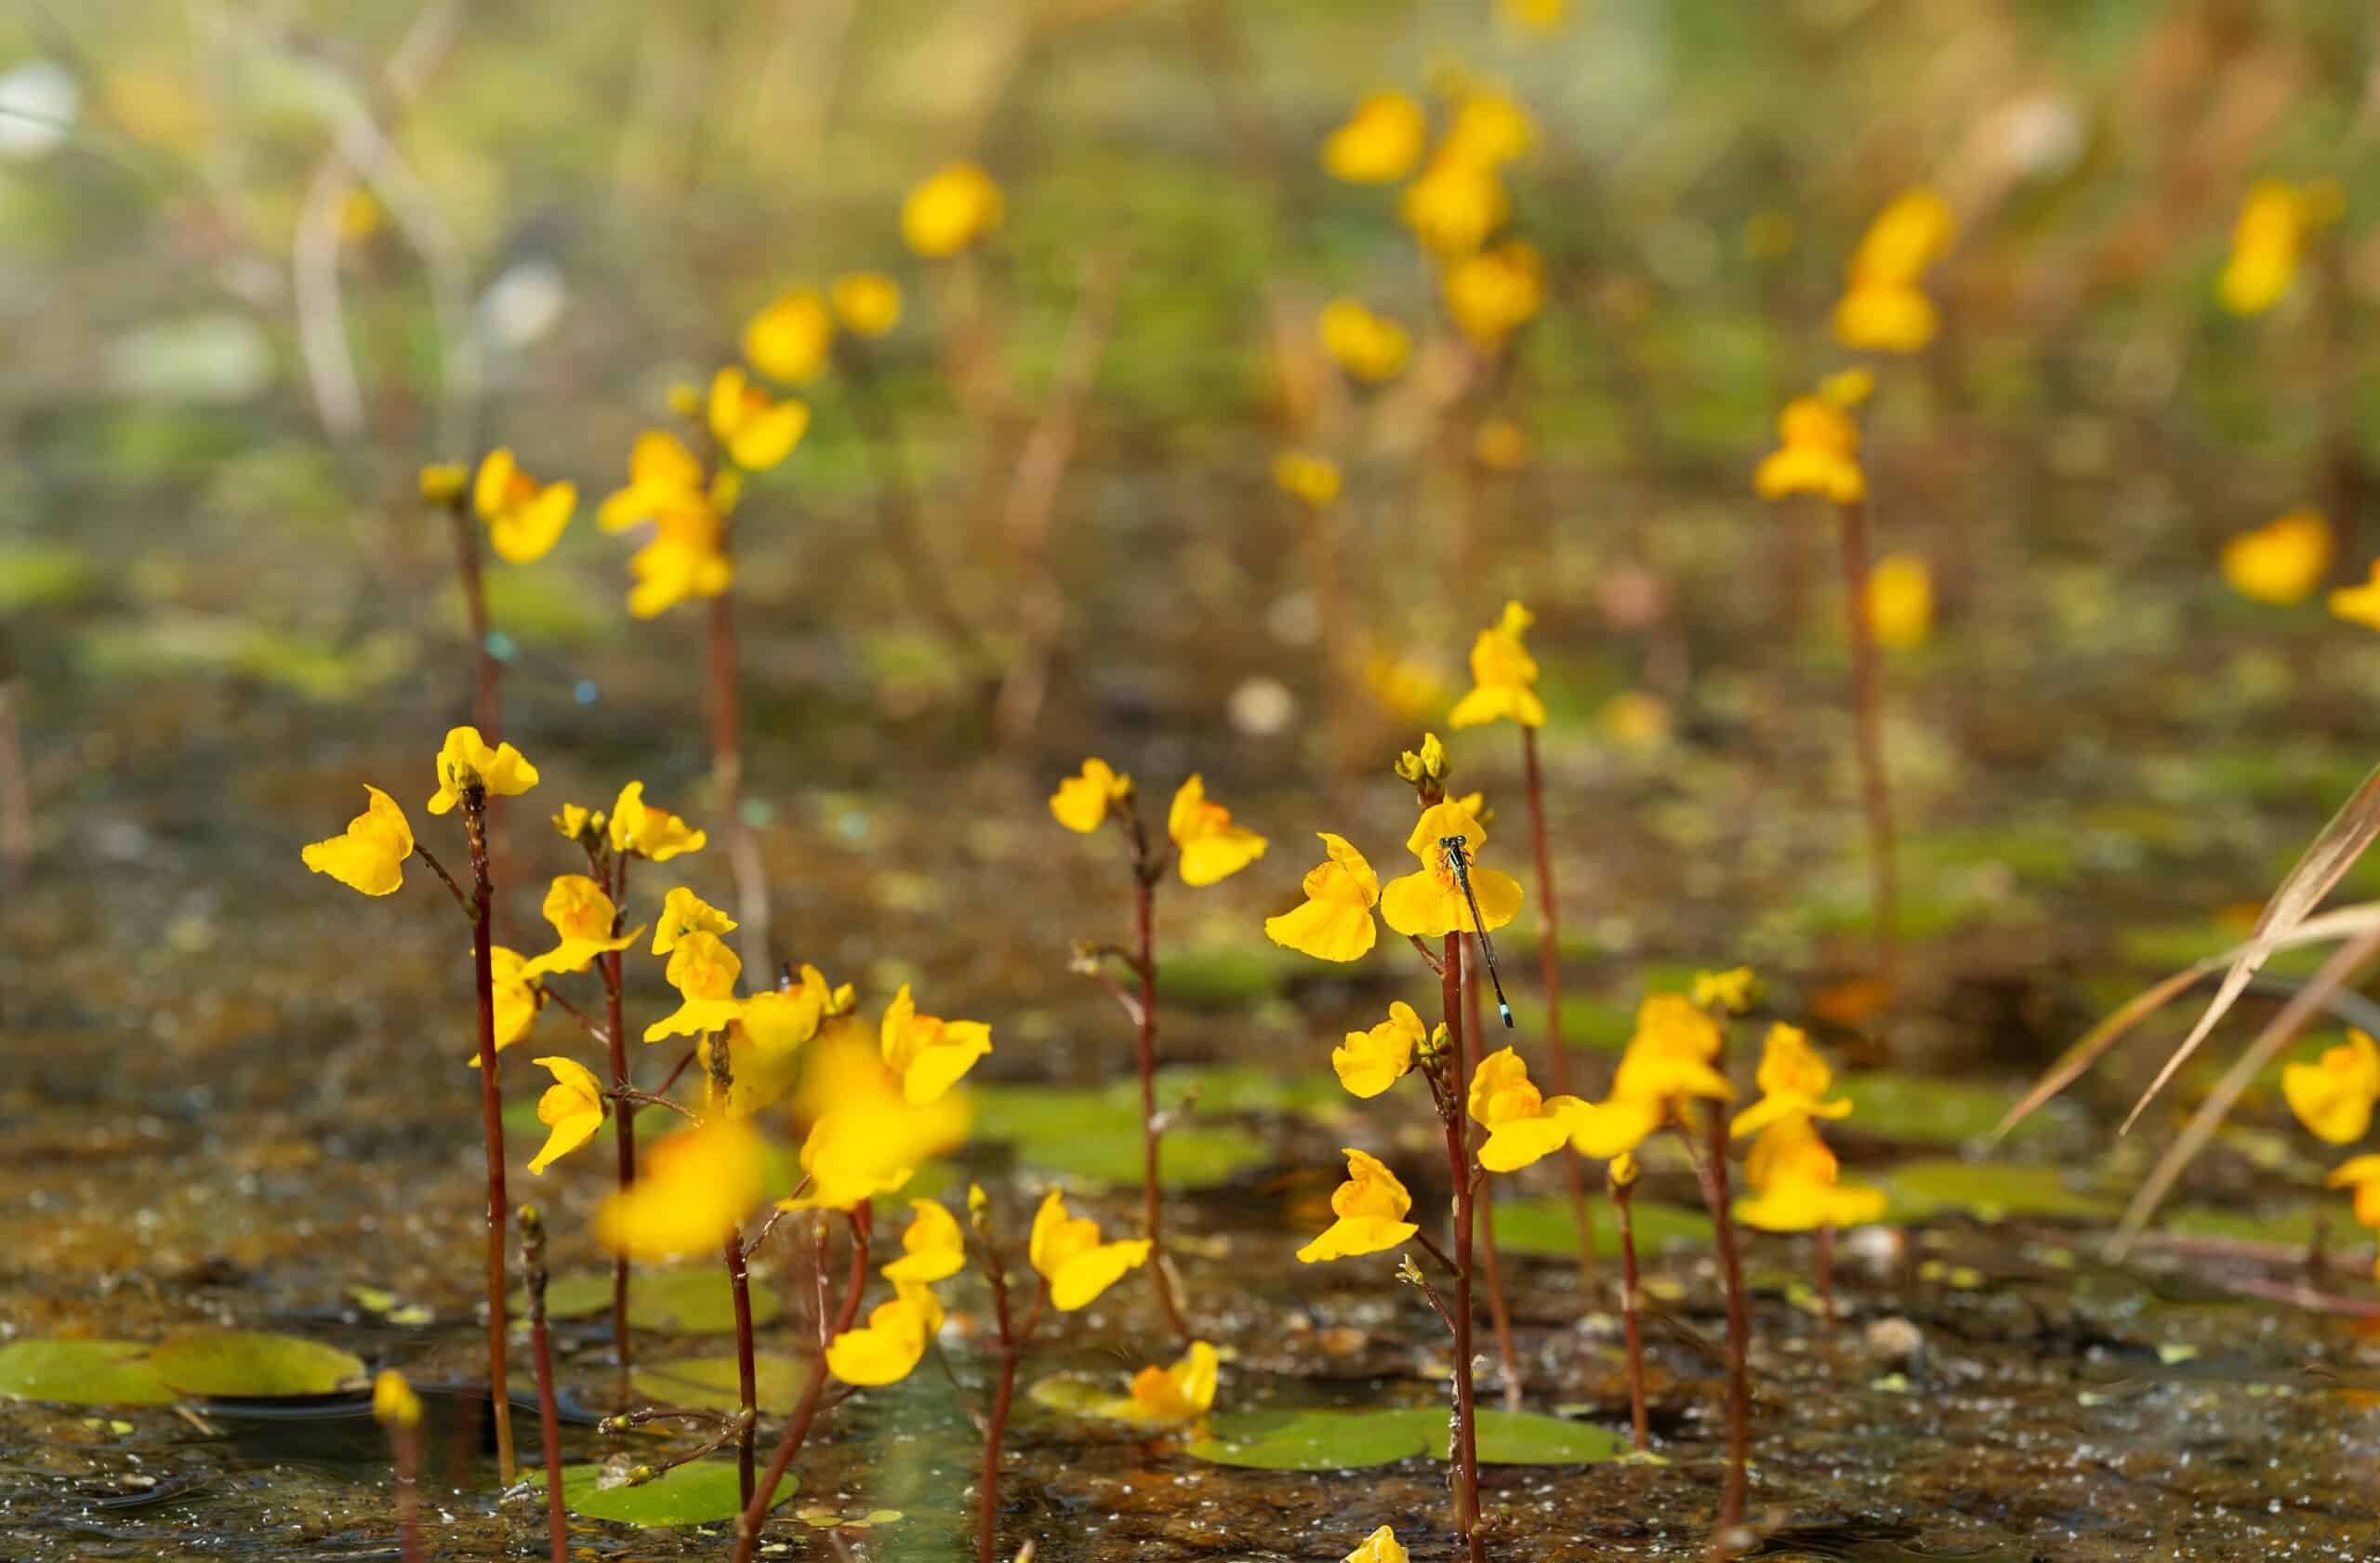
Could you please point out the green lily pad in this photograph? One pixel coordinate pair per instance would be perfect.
(82, 1374)
(251, 1364)
(678, 1300)
(1316, 1441)
(1037, 1115)
(703, 1493)
(1239, 1088)
(1526, 1439)
(1197, 1157)
(2292, 1227)
(1072, 1393)
(1988, 1190)
(1542, 1226)
(1225, 976)
(713, 1382)
(1932, 1112)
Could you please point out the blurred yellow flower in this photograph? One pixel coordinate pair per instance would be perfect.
(1067, 1251)
(692, 1193)
(1634, 720)
(1523, 1125)
(763, 1050)
(703, 973)
(683, 912)
(1335, 924)
(1367, 346)
(1370, 1062)
(932, 1247)
(2362, 1174)
(869, 303)
(1313, 479)
(1455, 206)
(1792, 1080)
(465, 760)
(1429, 902)
(885, 1349)
(518, 994)
(789, 340)
(2334, 1098)
(866, 1139)
(1731, 990)
(2269, 243)
(756, 429)
(1490, 128)
(2359, 604)
(1501, 446)
(1910, 233)
(1081, 803)
(686, 559)
(957, 204)
(393, 1402)
(929, 1052)
(1668, 1062)
(1848, 388)
(582, 916)
(1381, 1546)
(1818, 452)
(369, 855)
(445, 482)
(1167, 1396)
(1503, 675)
(1794, 1176)
(1213, 848)
(1885, 317)
(1494, 292)
(1380, 143)
(572, 1108)
(1405, 687)
(2283, 561)
(1900, 601)
(524, 518)
(654, 833)
(1371, 1207)
(663, 476)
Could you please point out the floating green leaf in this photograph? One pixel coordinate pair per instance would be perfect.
(1925, 1110)
(1036, 1115)
(1197, 1157)
(1316, 1441)
(252, 1364)
(1526, 1439)
(1225, 976)
(713, 1382)
(1988, 1190)
(2292, 1228)
(1542, 1226)
(82, 1374)
(703, 1493)
(678, 1300)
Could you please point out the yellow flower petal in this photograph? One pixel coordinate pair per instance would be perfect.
(693, 1190)
(369, 856)
(572, 1108)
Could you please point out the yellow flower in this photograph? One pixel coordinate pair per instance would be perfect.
(929, 1052)
(465, 760)
(1427, 765)
(1165, 1396)
(2266, 244)
(1792, 1080)
(683, 912)
(703, 973)
(1490, 128)
(932, 1247)
(1455, 206)
(572, 1108)
(575, 823)
(1381, 142)
(1367, 346)
(1430, 903)
(763, 1050)
(2283, 561)
(1634, 720)
(684, 560)
(1848, 388)
(866, 1139)
(1492, 293)
(524, 518)
(756, 429)
(1885, 317)
(663, 476)
(518, 998)
(885, 1349)
(1405, 687)
(1503, 675)
(1372, 1061)
(1081, 803)
(1793, 1178)
(1668, 1062)
(1905, 238)
(957, 204)
(2359, 604)
(369, 856)
(1067, 1253)
(444, 483)
(1523, 1126)
(1335, 924)
(1313, 479)
(393, 1402)
(692, 1193)
(1900, 601)
(1370, 1207)
(1731, 990)
(582, 916)
(1818, 452)
(869, 302)
(2335, 1097)
(2362, 1174)
(636, 826)
(1212, 847)
(788, 341)
(1500, 446)
(1381, 1546)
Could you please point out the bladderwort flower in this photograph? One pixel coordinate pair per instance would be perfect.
(519, 995)
(1067, 1251)
(756, 429)
(2335, 1097)
(1335, 922)
(582, 917)
(704, 971)
(1083, 803)
(1668, 1065)
(2268, 242)
(1370, 1207)
(1380, 143)
(1171, 1395)
(954, 207)
(2359, 604)
(572, 1108)
(693, 1191)
(369, 856)
(1212, 848)
(683, 912)
(928, 1053)
(1795, 1182)
(1794, 1081)
(652, 833)
(1884, 308)
(1492, 293)
(1312, 480)
(524, 518)
(1817, 452)
(1370, 347)
(1430, 903)
(1370, 1062)
(1381, 1546)
(890, 1346)
(1503, 675)
(791, 339)
(1523, 1125)
(867, 303)
(2361, 1174)
(465, 758)
(1900, 601)
(2281, 561)
(932, 1246)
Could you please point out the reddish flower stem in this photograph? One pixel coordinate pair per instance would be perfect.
(748, 1527)
(1491, 1264)
(1711, 1169)
(1013, 1343)
(407, 1444)
(1867, 699)
(1549, 965)
(1825, 1265)
(1465, 1448)
(1145, 873)
(739, 1281)
(533, 1257)
(1632, 1331)
(491, 1121)
(624, 1116)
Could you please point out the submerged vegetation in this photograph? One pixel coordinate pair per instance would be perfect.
(1001, 409)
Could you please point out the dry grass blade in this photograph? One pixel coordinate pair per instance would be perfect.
(2325, 863)
(2345, 922)
(2336, 973)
